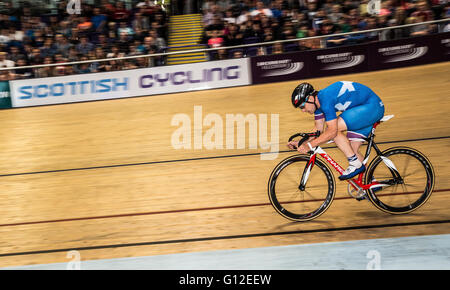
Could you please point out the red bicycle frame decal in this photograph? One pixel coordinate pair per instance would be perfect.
(355, 182)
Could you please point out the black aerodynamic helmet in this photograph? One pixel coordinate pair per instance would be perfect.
(301, 93)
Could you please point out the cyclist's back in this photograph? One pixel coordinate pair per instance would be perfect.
(342, 96)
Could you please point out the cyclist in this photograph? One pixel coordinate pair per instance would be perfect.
(360, 108)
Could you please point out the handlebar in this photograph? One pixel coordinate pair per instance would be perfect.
(305, 136)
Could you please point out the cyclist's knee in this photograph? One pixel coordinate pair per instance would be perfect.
(342, 126)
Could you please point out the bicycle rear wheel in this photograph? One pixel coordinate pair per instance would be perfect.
(306, 203)
(410, 184)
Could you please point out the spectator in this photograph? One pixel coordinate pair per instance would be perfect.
(104, 42)
(216, 24)
(16, 34)
(386, 8)
(36, 57)
(336, 15)
(74, 36)
(133, 50)
(99, 54)
(268, 35)
(254, 32)
(140, 22)
(400, 16)
(302, 32)
(4, 36)
(99, 20)
(142, 62)
(372, 23)
(288, 31)
(128, 64)
(84, 68)
(327, 27)
(114, 52)
(276, 7)
(418, 30)
(4, 62)
(121, 14)
(84, 46)
(238, 54)
(244, 16)
(85, 26)
(261, 9)
(423, 12)
(159, 42)
(72, 55)
(64, 28)
(234, 36)
(222, 54)
(334, 41)
(229, 17)
(309, 44)
(317, 20)
(48, 48)
(15, 54)
(277, 48)
(159, 25)
(62, 45)
(122, 42)
(216, 40)
(124, 28)
(211, 14)
(24, 72)
(45, 72)
(357, 37)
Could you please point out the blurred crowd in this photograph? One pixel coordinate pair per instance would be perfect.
(230, 23)
(32, 36)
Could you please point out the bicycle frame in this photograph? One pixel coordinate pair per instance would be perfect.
(356, 183)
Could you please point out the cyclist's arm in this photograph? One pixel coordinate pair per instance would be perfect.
(328, 134)
(320, 124)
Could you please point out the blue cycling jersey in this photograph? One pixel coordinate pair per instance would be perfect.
(342, 96)
(359, 105)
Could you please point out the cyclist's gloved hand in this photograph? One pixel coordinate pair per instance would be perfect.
(292, 145)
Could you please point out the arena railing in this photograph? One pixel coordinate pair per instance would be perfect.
(268, 43)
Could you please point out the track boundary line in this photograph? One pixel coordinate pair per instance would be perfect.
(194, 159)
(161, 212)
(192, 240)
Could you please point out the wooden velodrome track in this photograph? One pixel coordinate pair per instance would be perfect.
(103, 178)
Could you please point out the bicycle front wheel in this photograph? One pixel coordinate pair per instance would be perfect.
(296, 201)
(408, 176)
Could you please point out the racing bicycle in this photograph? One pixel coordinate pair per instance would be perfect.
(398, 180)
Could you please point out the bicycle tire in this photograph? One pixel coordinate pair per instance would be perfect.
(275, 199)
(375, 196)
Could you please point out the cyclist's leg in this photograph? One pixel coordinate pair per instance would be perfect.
(355, 146)
(342, 142)
(358, 121)
(355, 165)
